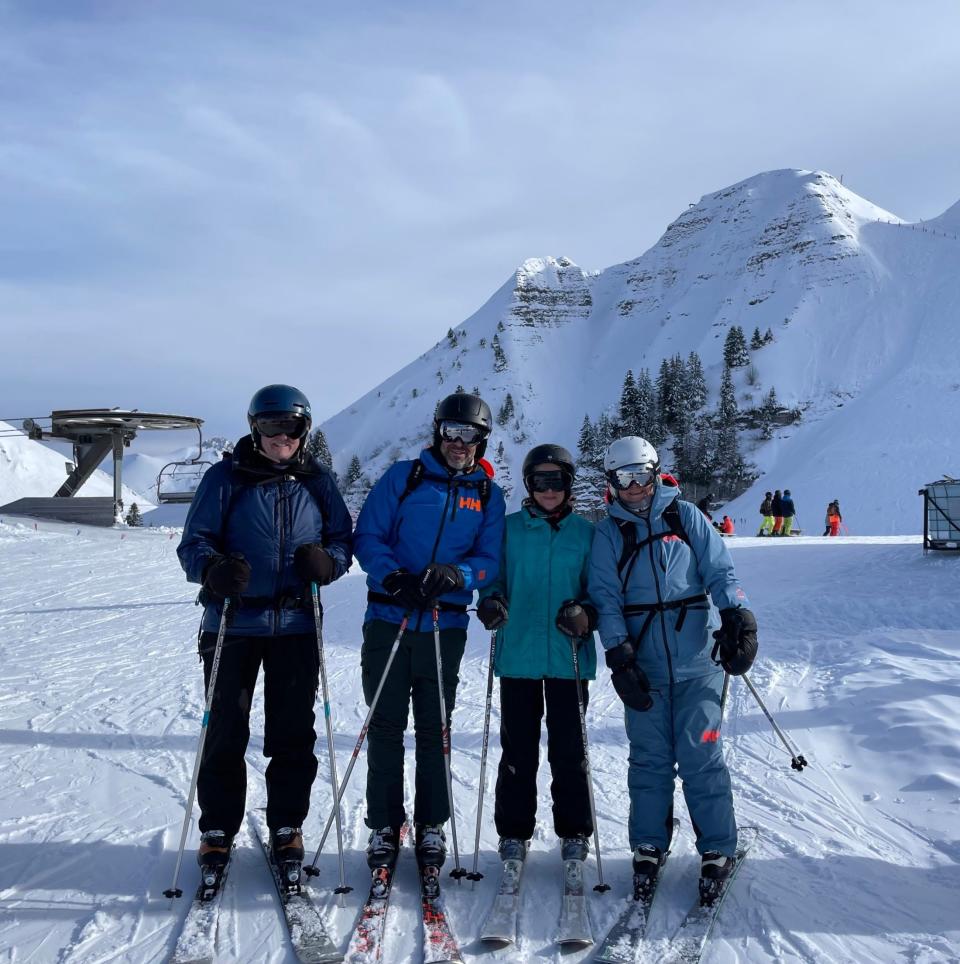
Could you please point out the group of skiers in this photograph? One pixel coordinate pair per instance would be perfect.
(654, 579)
(778, 513)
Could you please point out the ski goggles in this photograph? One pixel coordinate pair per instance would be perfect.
(626, 475)
(553, 481)
(270, 426)
(468, 434)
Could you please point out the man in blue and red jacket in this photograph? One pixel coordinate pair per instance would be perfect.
(428, 534)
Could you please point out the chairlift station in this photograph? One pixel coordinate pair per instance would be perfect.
(96, 433)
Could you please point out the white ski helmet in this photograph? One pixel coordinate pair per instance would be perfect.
(630, 450)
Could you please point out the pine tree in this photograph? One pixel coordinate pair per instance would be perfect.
(354, 471)
(756, 340)
(628, 405)
(727, 411)
(499, 357)
(452, 338)
(133, 517)
(767, 336)
(587, 444)
(506, 410)
(318, 448)
(647, 419)
(696, 383)
(460, 390)
(735, 354)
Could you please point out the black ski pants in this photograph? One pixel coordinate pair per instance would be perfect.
(522, 704)
(290, 680)
(413, 675)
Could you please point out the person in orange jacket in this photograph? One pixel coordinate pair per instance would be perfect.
(833, 519)
(726, 527)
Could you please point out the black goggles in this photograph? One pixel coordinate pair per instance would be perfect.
(468, 434)
(626, 475)
(552, 481)
(270, 426)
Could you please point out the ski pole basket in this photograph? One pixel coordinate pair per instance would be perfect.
(941, 514)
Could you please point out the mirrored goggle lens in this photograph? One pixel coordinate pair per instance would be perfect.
(633, 473)
(468, 434)
(293, 426)
(548, 481)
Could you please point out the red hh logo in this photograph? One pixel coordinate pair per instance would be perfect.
(468, 502)
(710, 736)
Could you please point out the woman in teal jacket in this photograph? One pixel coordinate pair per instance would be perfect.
(538, 604)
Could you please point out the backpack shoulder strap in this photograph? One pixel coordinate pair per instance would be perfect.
(671, 515)
(418, 471)
(414, 478)
(628, 533)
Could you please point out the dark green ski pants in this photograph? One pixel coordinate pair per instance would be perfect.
(413, 674)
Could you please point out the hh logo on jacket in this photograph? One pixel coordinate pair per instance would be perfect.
(468, 502)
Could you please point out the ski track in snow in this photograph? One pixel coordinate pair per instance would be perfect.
(858, 858)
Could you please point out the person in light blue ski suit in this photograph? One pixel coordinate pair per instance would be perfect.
(655, 620)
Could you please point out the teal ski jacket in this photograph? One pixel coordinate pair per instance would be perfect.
(540, 568)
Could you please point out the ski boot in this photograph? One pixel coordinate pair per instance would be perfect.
(287, 845)
(213, 856)
(431, 844)
(574, 848)
(715, 869)
(382, 848)
(647, 861)
(512, 848)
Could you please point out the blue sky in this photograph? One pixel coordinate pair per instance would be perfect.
(197, 203)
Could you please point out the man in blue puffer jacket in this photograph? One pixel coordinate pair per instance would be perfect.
(264, 524)
(654, 559)
(430, 530)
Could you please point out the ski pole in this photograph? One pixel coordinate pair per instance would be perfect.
(458, 872)
(475, 874)
(312, 870)
(796, 758)
(318, 622)
(601, 886)
(173, 890)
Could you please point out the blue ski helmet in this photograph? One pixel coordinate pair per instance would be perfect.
(276, 401)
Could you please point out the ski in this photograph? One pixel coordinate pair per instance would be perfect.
(690, 939)
(500, 927)
(574, 921)
(198, 935)
(623, 940)
(366, 942)
(308, 933)
(439, 944)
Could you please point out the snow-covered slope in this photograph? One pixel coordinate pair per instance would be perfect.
(28, 468)
(861, 304)
(858, 858)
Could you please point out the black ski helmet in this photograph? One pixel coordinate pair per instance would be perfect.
(468, 409)
(278, 400)
(555, 454)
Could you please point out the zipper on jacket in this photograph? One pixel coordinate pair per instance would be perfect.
(663, 621)
(436, 543)
(453, 514)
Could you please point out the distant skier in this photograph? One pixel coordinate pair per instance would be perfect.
(833, 520)
(265, 522)
(704, 505)
(652, 563)
(428, 534)
(776, 505)
(766, 510)
(726, 526)
(538, 603)
(787, 507)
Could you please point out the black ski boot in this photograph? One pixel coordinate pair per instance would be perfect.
(213, 856)
(512, 848)
(647, 861)
(287, 844)
(574, 848)
(715, 869)
(382, 848)
(431, 843)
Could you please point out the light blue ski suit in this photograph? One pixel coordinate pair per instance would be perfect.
(681, 732)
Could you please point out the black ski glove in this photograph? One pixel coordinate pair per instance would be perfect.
(405, 588)
(492, 612)
(314, 564)
(576, 619)
(227, 575)
(629, 680)
(438, 579)
(735, 648)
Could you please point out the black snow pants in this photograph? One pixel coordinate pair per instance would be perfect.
(413, 675)
(521, 710)
(290, 680)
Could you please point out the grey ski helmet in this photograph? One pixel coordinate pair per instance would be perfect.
(468, 409)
